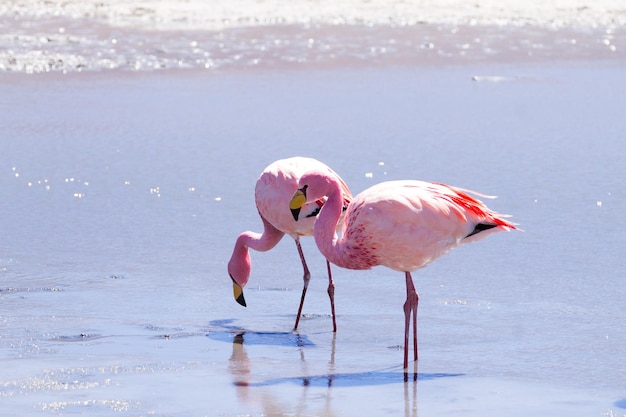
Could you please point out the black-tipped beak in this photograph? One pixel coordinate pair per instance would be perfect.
(238, 293)
(295, 213)
(241, 300)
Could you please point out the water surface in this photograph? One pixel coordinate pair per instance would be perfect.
(124, 194)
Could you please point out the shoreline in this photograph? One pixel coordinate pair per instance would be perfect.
(492, 71)
(221, 15)
(478, 71)
(59, 45)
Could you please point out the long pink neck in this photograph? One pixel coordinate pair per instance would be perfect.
(261, 242)
(240, 264)
(325, 236)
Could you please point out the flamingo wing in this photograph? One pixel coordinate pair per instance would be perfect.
(407, 224)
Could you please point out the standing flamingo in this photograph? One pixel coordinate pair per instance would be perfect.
(274, 188)
(403, 225)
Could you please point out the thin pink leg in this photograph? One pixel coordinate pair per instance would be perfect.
(331, 294)
(306, 278)
(417, 299)
(410, 306)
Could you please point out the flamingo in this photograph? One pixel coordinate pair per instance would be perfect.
(274, 188)
(403, 225)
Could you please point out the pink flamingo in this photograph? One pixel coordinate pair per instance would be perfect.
(403, 225)
(274, 188)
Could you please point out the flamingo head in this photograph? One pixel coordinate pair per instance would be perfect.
(239, 268)
(297, 202)
(313, 186)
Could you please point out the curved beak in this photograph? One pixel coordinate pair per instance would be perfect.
(297, 201)
(238, 293)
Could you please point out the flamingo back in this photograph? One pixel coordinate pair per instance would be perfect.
(277, 184)
(404, 225)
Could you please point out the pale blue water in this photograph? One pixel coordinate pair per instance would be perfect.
(122, 197)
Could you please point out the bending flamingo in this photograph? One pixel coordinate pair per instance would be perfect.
(403, 225)
(274, 188)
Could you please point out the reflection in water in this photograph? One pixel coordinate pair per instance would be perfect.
(287, 339)
(249, 391)
(226, 331)
(360, 379)
(239, 364)
(410, 403)
(240, 367)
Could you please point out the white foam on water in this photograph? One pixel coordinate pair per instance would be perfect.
(153, 35)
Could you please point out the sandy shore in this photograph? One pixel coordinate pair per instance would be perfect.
(146, 36)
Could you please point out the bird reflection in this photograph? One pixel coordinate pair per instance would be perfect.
(239, 363)
(254, 392)
(240, 366)
(410, 403)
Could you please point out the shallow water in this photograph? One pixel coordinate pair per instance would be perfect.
(124, 194)
(125, 190)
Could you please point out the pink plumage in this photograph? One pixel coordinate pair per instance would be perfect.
(273, 190)
(403, 225)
